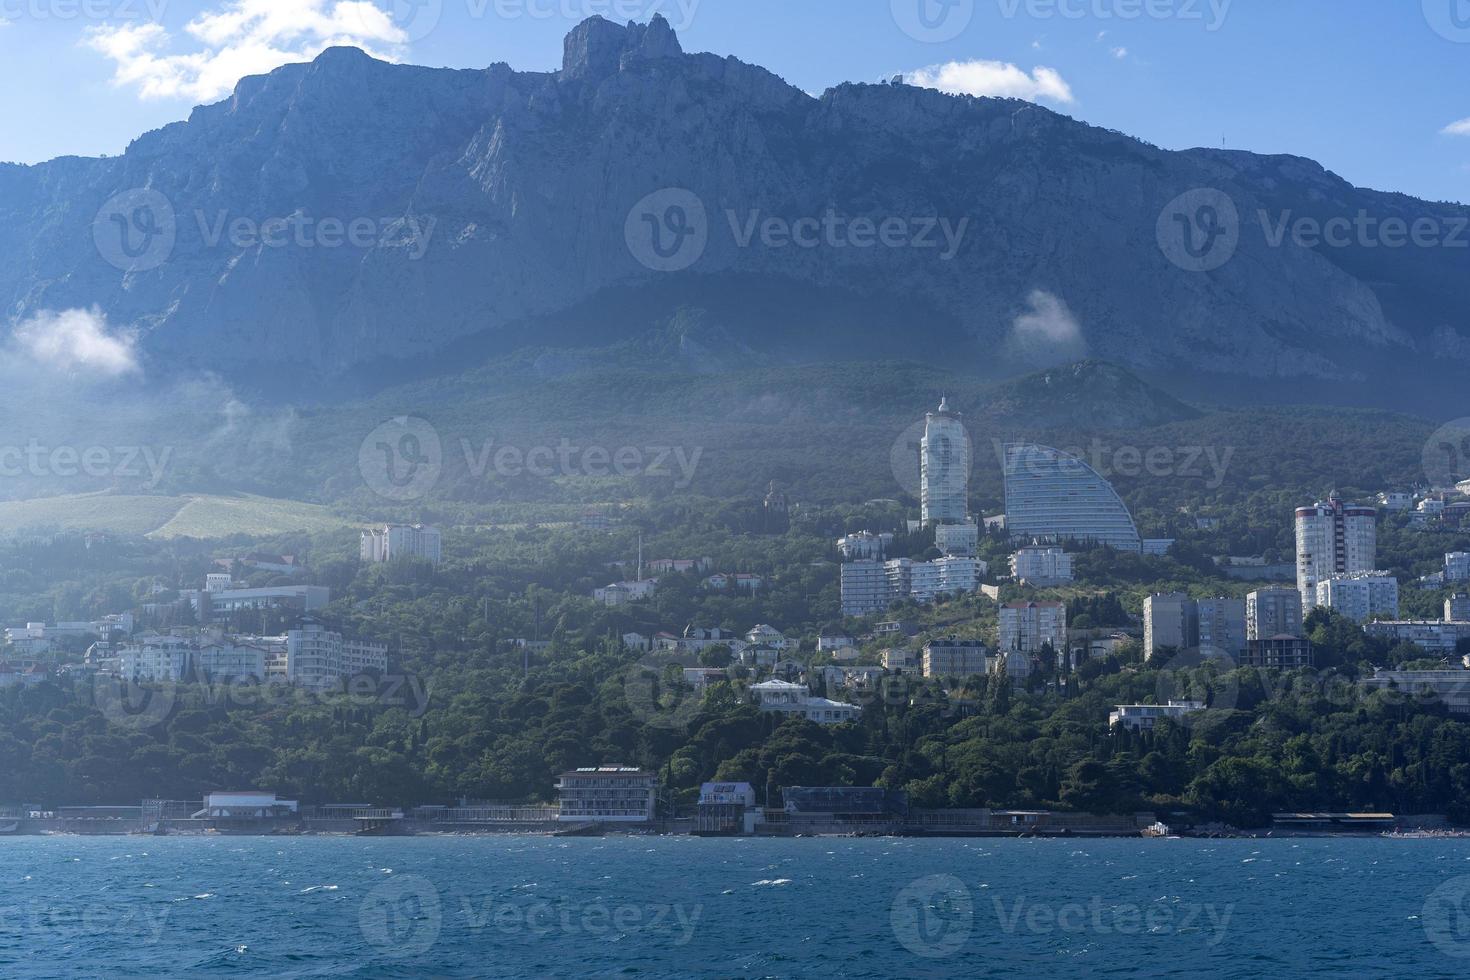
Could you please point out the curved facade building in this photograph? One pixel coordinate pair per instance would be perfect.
(945, 467)
(1053, 496)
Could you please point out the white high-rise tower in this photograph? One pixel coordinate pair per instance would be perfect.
(945, 468)
(1333, 540)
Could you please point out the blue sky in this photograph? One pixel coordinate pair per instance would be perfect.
(1372, 89)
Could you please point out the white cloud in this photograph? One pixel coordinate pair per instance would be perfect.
(994, 78)
(1461, 128)
(77, 342)
(1120, 53)
(1047, 332)
(244, 37)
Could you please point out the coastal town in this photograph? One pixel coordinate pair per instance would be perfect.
(1057, 509)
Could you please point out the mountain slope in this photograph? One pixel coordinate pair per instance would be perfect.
(495, 199)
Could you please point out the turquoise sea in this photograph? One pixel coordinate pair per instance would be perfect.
(681, 907)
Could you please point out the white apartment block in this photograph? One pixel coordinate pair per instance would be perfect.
(1457, 566)
(1438, 638)
(783, 697)
(956, 658)
(864, 545)
(401, 541)
(944, 468)
(1333, 539)
(1169, 622)
(1027, 627)
(958, 539)
(1042, 566)
(1361, 596)
(607, 794)
(864, 588)
(1144, 717)
(316, 655)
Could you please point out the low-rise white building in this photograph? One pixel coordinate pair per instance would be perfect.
(957, 540)
(956, 658)
(607, 794)
(786, 698)
(1041, 566)
(1439, 638)
(1145, 717)
(1362, 596)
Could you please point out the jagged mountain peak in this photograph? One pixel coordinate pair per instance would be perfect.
(598, 47)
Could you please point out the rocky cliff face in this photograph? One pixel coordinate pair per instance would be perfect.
(349, 211)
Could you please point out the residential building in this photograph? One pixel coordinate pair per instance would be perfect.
(1361, 596)
(956, 658)
(1270, 613)
(944, 471)
(901, 659)
(1222, 627)
(252, 805)
(1041, 566)
(13, 676)
(396, 542)
(1055, 497)
(1145, 717)
(1284, 652)
(1433, 636)
(316, 656)
(1333, 539)
(787, 698)
(1215, 627)
(833, 641)
(864, 545)
(864, 588)
(727, 809)
(1029, 627)
(1169, 622)
(962, 540)
(155, 658)
(767, 635)
(1457, 566)
(621, 593)
(1449, 687)
(607, 794)
(1396, 500)
(292, 598)
(1457, 608)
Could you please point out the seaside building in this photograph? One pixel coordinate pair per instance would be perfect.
(955, 658)
(944, 475)
(1055, 497)
(1361, 596)
(1333, 539)
(1041, 566)
(395, 542)
(316, 655)
(607, 794)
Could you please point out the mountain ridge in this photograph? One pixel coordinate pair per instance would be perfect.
(531, 180)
